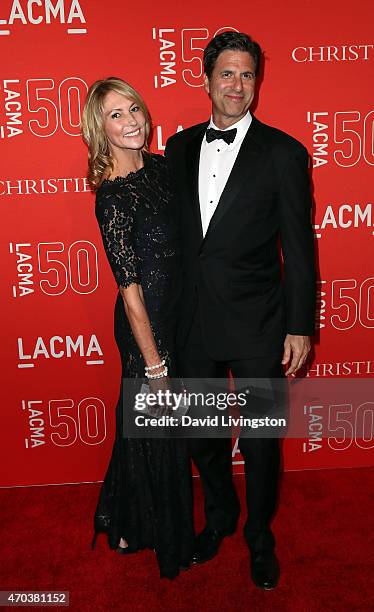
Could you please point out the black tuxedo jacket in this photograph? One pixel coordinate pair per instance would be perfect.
(252, 276)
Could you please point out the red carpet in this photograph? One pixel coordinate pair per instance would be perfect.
(324, 530)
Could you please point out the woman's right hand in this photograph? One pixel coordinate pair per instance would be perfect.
(165, 406)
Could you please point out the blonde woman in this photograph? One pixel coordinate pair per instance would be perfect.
(146, 497)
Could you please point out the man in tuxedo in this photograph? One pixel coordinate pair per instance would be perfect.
(247, 305)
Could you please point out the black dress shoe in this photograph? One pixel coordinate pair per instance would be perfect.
(265, 569)
(208, 543)
(184, 566)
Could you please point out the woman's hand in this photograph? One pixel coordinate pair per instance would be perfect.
(162, 388)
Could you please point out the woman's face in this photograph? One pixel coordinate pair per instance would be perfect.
(124, 122)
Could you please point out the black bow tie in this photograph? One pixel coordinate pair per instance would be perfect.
(226, 135)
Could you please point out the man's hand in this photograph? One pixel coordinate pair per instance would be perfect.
(298, 347)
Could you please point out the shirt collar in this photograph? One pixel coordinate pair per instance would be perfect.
(241, 126)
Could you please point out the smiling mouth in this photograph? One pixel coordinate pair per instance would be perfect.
(130, 134)
(237, 98)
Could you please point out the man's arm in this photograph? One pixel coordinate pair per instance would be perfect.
(297, 242)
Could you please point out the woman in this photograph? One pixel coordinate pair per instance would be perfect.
(146, 497)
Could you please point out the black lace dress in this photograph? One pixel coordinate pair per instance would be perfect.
(146, 496)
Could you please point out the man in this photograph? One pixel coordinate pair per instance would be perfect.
(242, 187)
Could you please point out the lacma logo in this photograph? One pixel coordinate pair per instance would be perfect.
(58, 347)
(36, 12)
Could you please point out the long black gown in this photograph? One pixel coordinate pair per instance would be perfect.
(146, 496)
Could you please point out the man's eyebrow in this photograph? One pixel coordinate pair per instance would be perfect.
(231, 70)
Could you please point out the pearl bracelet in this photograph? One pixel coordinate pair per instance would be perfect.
(158, 365)
(160, 375)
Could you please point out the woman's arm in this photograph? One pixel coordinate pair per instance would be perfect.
(116, 221)
(137, 315)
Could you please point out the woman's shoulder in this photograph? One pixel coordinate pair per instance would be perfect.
(158, 161)
(102, 200)
(160, 167)
(109, 193)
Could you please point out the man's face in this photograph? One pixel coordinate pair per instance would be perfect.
(231, 87)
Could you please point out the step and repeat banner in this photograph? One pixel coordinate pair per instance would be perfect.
(60, 365)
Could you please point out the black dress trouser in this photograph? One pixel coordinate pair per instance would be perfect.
(213, 456)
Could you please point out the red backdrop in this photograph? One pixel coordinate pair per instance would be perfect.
(60, 364)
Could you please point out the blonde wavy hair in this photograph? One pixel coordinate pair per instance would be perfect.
(100, 158)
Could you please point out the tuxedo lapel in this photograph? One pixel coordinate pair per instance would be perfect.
(244, 168)
(193, 148)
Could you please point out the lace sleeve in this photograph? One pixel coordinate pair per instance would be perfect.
(116, 222)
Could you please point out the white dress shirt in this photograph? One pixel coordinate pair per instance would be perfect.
(216, 162)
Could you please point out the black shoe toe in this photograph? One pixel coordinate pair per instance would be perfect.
(207, 545)
(265, 570)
